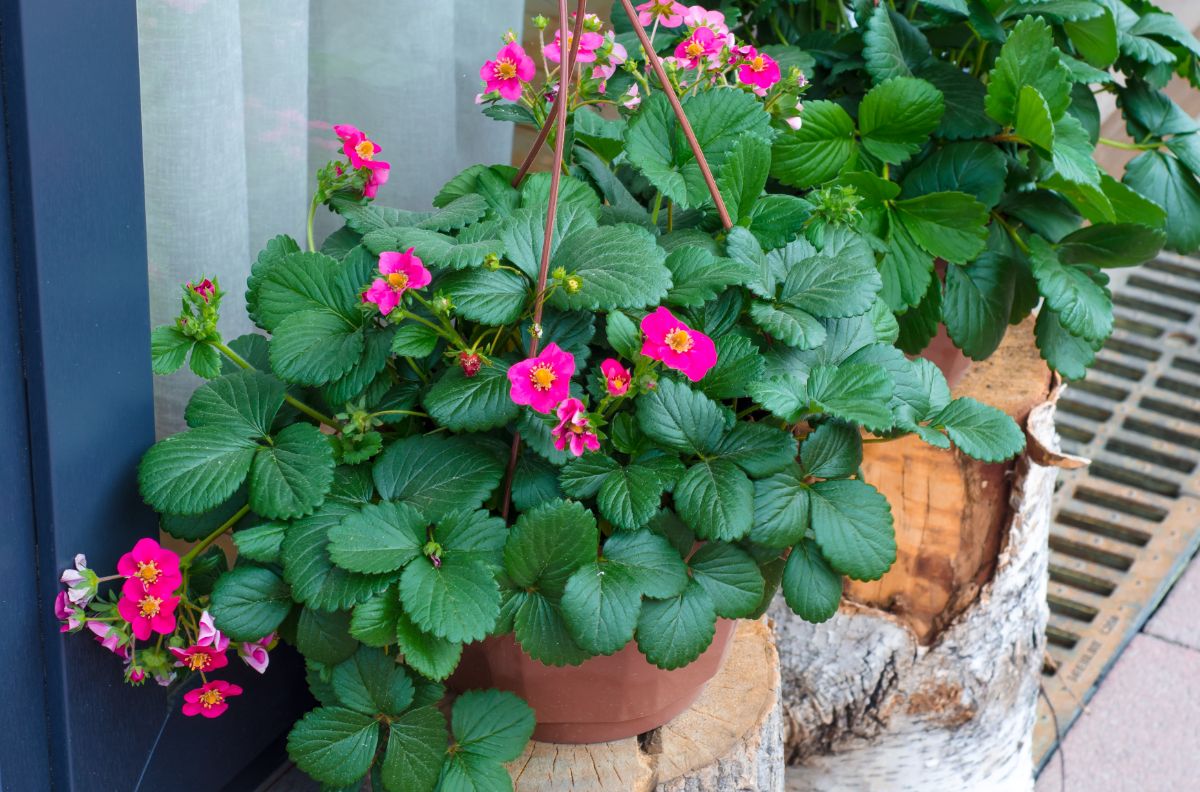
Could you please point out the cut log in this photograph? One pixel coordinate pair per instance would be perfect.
(872, 703)
(729, 740)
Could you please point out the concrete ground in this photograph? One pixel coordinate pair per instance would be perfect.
(1141, 730)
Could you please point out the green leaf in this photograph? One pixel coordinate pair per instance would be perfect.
(1095, 39)
(831, 288)
(194, 471)
(540, 629)
(314, 579)
(291, 476)
(716, 500)
(1163, 180)
(949, 225)
(1130, 205)
(793, 326)
(852, 523)
(260, 543)
(897, 117)
(534, 481)
(617, 267)
(371, 682)
(1073, 159)
(324, 637)
(315, 347)
(1111, 245)
(492, 724)
(1033, 122)
(600, 604)
(963, 95)
(700, 276)
(193, 528)
(739, 363)
(781, 509)
(758, 449)
(810, 587)
(1029, 57)
(205, 361)
(428, 654)
(602, 135)
(973, 167)
(548, 544)
(434, 249)
(462, 211)
(649, 557)
(473, 533)
(832, 450)
(458, 601)
(884, 49)
(629, 496)
(169, 349)
(977, 302)
(674, 632)
(817, 151)
(472, 404)
(1082, 303)
(492, 297)
(680, 418)
(373, 622)
(437, 474)
(249, 602)
(742, 178)
(776, 220)
(730, 577)
(334, 745)
(622, 334)
(275, 251)
(413, 339)
(980, 430)
(379, 537)
(535, 193)
(1067, 354)
(785, 397)
(853, 392)
(417, 743)
(583, 477)
(297, 283)
(906, 270)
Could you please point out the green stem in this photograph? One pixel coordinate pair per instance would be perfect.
(187, 559)
(400, 412)
(658, 197)
(287, 397)
(312, 214)
(1117, 144)
(416, 369)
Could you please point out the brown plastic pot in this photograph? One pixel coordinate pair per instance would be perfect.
(602, 699)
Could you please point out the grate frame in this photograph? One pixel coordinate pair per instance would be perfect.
(1124, 528)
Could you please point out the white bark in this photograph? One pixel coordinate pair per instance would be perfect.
(869, 709)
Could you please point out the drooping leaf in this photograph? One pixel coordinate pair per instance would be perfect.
(852, 523)
(810, 587)
(334, 745)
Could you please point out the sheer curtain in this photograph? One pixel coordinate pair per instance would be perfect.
(238, 97)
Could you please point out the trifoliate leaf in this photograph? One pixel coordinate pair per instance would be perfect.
(371, 682)
(416, 747)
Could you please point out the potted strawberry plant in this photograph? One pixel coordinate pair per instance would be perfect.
(568, 421)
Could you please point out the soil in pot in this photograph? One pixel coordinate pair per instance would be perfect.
(602, 699)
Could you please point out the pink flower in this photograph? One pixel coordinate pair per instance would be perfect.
(81, 582)
(630, 100)
(698, 49)
(402, 271)
(700, 17)
(205, 289)
(362, 150)
(134, 674)
(152, 567)
(207, 634)
(110, 638)
(795, 122)
(147, 611)
(573, 429)
(209, 700)
(65, 611)
(616, 377)
(677, 345)
(254, 653)
(508, 71)
(199, 658)
(667, 13)
(543, 381)
(589, 42)
(760, 72)
(606, 65)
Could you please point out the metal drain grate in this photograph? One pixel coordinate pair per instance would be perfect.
(1126, 526)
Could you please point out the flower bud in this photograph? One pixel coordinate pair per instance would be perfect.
(540, 22)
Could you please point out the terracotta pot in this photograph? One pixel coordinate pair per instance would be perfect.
(603, 699)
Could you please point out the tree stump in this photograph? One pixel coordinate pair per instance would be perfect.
(928, 678)
(729, 740)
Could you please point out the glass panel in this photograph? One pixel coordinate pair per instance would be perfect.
(237, 103)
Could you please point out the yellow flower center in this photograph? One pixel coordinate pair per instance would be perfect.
(199, 661)
(695, 49)
(505, 69)
(679, 340)
(149, 607)
(211, 698)
(542, 376)
(365, 149)
(148, 572)
(757, 64)
(397, 280)
(619, 382)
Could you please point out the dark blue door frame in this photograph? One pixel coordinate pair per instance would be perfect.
(76, 400)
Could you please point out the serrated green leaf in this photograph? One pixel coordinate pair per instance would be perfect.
(492, 297)
(600, 604)
(1033, 122)
(883, 49)
(852, 523)
(1163, 180)
(980, 430)
(680, 418)
(730, 577)
(1029, 57)
(757, 448)
(1067, 354)
(949, 225)
(417, 743)
(291, 476)
(428, 654)
(974, 167)
(315, 347)
(817, 151)
(169, 349)
(245, 402)
(810, 586)
(674, 632)
(371, 682)
(1082, 303)
(776, 220)
(616, 266)
(739, 363)
(793, 326)
(977, 303)
(906, 270)
(832, 450)
(458, 601)
(629, 496)
(260, 543)
(379, 537)
(472, 404)
(491, 724)
(744, 174)
(655, 565)
(1111, 245)
(700, 276)
(535, 481)
(716, 500)
(897, 117)
(205, 361)
(434, 249)
(373, 621)
(549, 543)
(964, 95)
(412, 339)
(437, 474)
(314, 578)
(249, 602)
(324, 636)
(540, 629)
(194, 471)
(781, 509)
(853, 392)
(583, 477)
(334, 745)
(622, 334)
(831, 288)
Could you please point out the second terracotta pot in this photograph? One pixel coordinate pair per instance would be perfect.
(602, 699)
